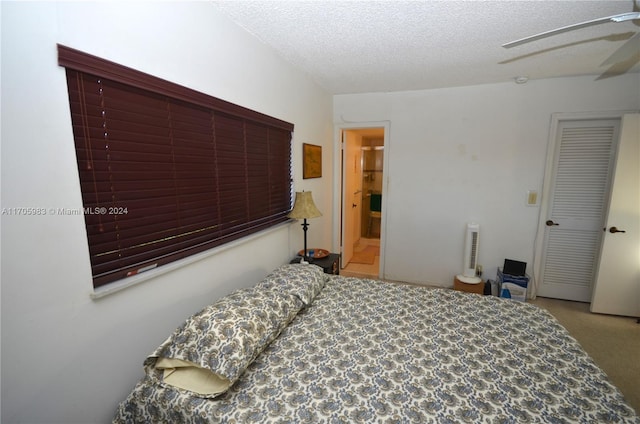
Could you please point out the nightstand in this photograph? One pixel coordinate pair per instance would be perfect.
(330, 264)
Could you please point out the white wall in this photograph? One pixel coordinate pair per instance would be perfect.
(470, 154)
(67, 358)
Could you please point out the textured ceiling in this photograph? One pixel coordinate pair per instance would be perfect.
(382, 46)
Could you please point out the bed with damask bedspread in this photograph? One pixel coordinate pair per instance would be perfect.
(303, 347)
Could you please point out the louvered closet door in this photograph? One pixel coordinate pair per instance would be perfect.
(584, 157)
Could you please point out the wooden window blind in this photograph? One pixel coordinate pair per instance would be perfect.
(166, 171)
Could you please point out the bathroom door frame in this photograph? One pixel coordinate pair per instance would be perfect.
(338, 187)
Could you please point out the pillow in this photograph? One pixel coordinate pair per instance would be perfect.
(302, 280)
(211, 349)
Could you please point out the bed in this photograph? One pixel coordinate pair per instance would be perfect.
(302, 346)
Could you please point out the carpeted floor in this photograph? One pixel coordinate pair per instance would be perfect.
(613, 342)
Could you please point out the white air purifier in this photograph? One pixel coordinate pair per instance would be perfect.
(471, 243)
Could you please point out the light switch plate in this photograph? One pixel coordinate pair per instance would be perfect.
(532, 198)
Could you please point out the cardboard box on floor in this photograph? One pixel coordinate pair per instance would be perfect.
(512, 286)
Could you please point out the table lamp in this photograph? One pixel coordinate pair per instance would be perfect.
(304, 208)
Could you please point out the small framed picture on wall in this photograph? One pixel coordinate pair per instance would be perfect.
(311, 161)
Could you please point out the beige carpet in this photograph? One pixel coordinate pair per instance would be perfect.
(613, 342)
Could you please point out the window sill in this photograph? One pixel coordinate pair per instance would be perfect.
(134, 280)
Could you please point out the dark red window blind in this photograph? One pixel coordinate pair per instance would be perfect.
(167, 172)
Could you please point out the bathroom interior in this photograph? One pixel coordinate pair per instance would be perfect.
(372, 171)
(366, 259)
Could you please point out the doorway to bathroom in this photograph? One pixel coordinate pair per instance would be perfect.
(362, 201)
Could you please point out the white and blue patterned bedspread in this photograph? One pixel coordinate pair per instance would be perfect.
(367, 351)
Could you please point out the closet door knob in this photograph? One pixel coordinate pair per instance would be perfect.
(550, 223)
(615, 230)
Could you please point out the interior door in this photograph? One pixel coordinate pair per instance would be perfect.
(582, 167)
(617, 288)
(351, 193)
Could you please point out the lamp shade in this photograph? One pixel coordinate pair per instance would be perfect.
(304, 208)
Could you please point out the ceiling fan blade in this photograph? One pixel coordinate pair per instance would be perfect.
(623, 17)
(630, 48)
(621, 68)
